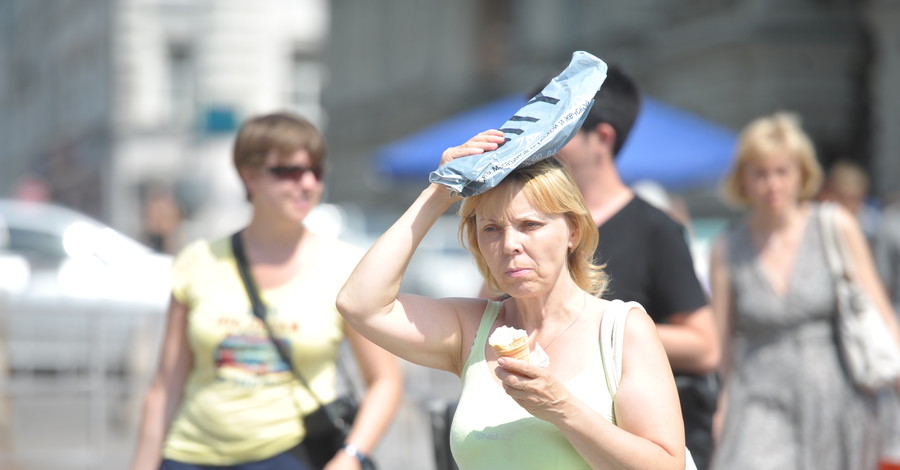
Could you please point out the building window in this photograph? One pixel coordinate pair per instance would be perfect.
(307, 76)
(182, 83)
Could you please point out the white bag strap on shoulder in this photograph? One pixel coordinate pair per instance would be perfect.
(834, 249)
(612, 337)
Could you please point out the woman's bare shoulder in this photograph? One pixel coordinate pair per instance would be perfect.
(637, 323)
(639, 326)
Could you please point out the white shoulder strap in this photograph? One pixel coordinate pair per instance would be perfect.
(612, 337)
(830, 240)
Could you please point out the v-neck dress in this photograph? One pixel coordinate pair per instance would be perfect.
(790, 403)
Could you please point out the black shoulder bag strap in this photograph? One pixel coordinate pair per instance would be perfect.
(259, 310)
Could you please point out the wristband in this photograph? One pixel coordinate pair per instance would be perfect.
(355, 452)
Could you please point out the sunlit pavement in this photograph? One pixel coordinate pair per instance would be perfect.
(70, 423)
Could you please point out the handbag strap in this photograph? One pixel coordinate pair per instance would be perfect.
(259, 310)
(835, 251)
(612, 337)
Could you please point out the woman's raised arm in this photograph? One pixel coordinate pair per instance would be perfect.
(421, 330)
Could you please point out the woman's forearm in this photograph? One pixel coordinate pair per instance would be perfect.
(376, 412)
(166, 390)
(373, 286)
(604, 445)
(154, 422)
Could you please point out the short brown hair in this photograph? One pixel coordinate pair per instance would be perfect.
(284, 132)
(549, 187)
(778, 133)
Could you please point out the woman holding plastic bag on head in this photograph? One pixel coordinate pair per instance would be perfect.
(532, 238)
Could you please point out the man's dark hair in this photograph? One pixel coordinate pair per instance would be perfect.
(617, 104)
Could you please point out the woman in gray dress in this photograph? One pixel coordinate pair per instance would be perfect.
(788, 403)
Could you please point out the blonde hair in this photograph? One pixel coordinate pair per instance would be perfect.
(768, 135)
(549, 186)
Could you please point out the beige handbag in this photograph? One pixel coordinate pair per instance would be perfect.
(612, 337)
(870, 353)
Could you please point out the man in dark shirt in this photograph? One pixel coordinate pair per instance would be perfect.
(642, 249)
(646, 256)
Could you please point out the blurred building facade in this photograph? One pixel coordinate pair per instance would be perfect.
(105, 99)
(835, 63)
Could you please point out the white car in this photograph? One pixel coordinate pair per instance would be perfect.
(441, 267)
(76, 295)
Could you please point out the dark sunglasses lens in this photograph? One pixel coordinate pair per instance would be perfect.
(294, 172)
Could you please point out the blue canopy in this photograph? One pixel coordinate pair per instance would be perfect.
(668, 145)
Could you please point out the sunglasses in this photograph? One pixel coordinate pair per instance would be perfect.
(294, 172)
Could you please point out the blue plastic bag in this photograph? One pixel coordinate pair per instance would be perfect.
(538, 130)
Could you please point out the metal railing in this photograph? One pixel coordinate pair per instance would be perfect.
(76, 407)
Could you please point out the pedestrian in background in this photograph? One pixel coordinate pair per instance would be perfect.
(162, 219)
(887, 252)
(222, 398)
(787, 400)
(847, 183)
(646, 256)
(533, 239)
(887, 258)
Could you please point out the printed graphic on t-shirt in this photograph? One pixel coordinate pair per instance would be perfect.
(247, 356)
(250, 353)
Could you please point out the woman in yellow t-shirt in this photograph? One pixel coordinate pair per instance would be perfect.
(222, 397)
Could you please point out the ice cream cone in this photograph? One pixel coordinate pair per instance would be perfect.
(510, 342)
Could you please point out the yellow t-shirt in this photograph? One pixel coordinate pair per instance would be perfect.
(241, 403)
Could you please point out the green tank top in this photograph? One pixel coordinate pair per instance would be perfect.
(490, 431)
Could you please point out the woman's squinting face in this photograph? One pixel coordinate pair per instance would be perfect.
(282, 188)
(525, 248)
(772, 182)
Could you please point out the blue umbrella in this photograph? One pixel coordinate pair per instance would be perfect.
(671, 146)
(675, 148)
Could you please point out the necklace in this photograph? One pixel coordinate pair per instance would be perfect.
(547, 346)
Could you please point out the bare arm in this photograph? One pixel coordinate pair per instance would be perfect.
(691, 341)
(887, 254)
(166, 390)
(647, 407)
(384, 391)
(421, 330)
(722, 305)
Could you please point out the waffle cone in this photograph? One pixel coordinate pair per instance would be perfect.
(517, 349)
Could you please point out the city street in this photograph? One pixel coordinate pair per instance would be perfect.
(72, 423)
